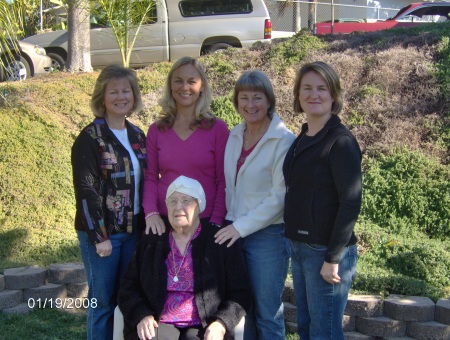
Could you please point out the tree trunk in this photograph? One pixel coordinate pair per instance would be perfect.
(79, 49)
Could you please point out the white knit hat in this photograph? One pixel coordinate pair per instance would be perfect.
(188, 186)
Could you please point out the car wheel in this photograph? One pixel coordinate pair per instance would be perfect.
(17, 69)
(58, 63)
(219, 46)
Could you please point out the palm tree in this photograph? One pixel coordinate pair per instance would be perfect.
(9, 29)
(126, 18)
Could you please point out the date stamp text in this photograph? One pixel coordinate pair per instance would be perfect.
(65, 303)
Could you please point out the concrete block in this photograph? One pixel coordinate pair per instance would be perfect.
(291, 327)
(21, 308)
(288, 292)
(349, 323)
(442, 311)
(25, 277)
(2, 283)
(409, 308)
(290, 312)
(431, 330)
(357, 336)
(10, 298)
(364, 305)
(47, 294)
(64, 273)
(77, 290)
(380, 326)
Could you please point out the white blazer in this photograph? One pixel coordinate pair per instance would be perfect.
(255, 198)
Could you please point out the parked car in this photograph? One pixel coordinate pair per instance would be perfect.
(28, 61)
(180, 28)
(409, 16)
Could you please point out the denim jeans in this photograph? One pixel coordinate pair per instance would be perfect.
(266, 255)
(103, 276)
(320, 305)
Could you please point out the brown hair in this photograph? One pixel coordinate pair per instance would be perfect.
(330, 77)
(255, 81)
(114, 72)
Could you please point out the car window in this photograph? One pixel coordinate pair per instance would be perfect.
(193, 8)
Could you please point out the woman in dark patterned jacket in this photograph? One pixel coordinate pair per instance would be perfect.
(108, 159)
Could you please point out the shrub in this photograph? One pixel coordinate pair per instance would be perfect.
(224, 109)
(407, 191)
(293, 49)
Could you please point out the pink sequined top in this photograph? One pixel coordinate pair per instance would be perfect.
(180, 308)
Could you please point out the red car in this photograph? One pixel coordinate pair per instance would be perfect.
(409, 16)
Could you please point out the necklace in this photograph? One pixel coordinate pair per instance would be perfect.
(175, 277)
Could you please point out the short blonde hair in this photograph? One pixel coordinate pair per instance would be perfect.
(331, 78)
(203, 117)
(109, 73)
(255, 81)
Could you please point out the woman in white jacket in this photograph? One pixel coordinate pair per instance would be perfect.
(255, 192)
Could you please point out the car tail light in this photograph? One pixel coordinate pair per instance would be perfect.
(267, 29)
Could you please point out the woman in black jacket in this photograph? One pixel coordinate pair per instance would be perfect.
(108, 161)
(322, 171)
(182, 285)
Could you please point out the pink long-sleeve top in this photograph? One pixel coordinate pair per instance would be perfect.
(200, 156)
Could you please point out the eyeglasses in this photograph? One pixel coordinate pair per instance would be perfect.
(185, 201)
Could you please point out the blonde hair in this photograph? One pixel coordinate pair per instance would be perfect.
(109, 73)
(203, 117)
(255, 81)
(330, 77)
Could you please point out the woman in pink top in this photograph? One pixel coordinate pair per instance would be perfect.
(186, 140)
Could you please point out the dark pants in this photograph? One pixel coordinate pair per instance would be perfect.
(170, 332)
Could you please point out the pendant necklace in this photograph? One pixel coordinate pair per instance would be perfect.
(175, 277)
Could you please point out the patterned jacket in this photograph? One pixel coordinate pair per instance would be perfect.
(103, 180)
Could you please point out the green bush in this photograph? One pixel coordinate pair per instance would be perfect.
(224, 109)
(407, 192)
(293, 50)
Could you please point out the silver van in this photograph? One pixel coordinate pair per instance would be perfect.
(176, 28)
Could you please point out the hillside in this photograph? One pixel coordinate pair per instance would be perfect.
(397, 86)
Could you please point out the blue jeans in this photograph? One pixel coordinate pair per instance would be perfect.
(320, 305)
(103, 276)
(266, 255)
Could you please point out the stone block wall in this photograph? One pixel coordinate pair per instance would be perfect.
(61, 286)
(369, 317)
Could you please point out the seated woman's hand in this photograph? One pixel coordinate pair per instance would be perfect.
(146, 328)
(227, 233)
(215, 331)
(156, 224)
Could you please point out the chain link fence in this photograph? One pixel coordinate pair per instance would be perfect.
(293, 15)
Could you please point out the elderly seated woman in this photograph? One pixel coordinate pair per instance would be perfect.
(182, 285)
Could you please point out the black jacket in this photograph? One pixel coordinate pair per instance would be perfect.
(323, 188)
(220, 282)
(103, 179)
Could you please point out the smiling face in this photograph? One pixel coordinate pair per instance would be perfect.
(186, 86)
(253, 106)
(119, 99)
(314, 96)
(183, 211)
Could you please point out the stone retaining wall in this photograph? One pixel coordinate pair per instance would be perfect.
(366, 317)
(61, 286)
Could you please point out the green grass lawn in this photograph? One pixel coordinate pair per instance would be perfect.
(43, 324)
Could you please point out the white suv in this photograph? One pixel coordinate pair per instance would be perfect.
(176, 28)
